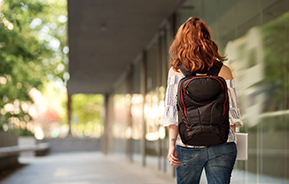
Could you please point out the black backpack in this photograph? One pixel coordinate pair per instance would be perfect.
(203, 108)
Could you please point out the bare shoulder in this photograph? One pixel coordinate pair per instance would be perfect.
(226, 73)
(172, 72)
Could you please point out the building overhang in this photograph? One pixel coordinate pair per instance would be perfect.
(105, 37)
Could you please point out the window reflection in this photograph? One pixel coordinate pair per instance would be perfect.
(137, 113)
(246, 60)
(254, 36)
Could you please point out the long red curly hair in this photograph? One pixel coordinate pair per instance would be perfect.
(194, 48)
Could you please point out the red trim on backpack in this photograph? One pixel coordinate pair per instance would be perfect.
(185, 111)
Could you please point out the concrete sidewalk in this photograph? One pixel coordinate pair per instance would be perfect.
(95, 168)
(84, 168)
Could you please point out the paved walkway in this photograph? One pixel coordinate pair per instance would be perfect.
(84, 168)
(95, 168)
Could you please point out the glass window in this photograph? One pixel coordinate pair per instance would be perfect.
(254, 35)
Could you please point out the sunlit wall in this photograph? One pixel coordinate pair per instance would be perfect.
(255, 37)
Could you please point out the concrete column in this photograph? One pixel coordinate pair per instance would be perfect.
(143, 92)
(105, 137)
(69, 112)
(159, 84)
(164, 76)
(130, 92)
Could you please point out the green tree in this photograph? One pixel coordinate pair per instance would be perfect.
(33, 50)
(274, 35)
(86, 114)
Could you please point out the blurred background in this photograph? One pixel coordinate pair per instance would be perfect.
(96, 72)
(34, 73)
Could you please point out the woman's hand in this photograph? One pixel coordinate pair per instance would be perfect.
(172, 157)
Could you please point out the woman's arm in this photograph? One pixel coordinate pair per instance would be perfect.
(172, 154)
(170, 116)
(226, 73)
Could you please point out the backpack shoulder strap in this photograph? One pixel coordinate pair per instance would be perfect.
(215, 70)
(186, 72)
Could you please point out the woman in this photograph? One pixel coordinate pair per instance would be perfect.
(194, 48)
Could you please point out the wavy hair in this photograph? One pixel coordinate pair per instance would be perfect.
(194, 48)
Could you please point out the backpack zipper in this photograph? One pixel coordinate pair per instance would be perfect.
(214, 77)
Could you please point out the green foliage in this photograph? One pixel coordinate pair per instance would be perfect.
(23, 132)
(275, 43)
(86, 112)
(32, 50)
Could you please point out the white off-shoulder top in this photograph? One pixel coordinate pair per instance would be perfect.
(170, 116)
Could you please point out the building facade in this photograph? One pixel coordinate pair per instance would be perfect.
(254, 35)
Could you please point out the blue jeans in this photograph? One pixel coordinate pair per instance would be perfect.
(218, 162)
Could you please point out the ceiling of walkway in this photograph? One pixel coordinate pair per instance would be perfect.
(105, 36)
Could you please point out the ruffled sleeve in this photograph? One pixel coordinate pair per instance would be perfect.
(234, 113)
(170, 116)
